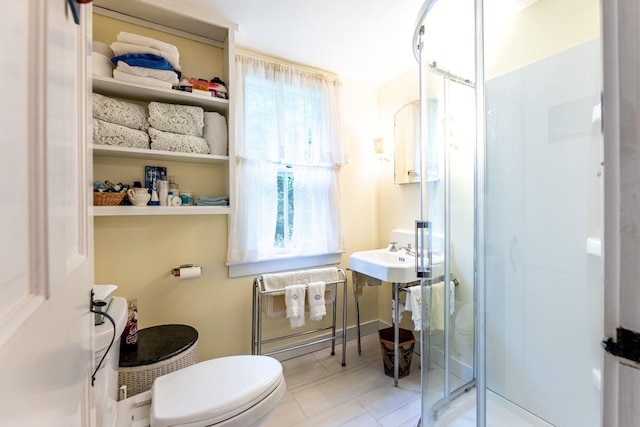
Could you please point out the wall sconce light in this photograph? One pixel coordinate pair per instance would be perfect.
(380, 149)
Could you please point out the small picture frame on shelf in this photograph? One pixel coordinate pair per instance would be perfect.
(153, 174)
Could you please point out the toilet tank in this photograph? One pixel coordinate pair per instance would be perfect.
(105, 385)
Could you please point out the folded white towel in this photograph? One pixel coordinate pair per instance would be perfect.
(140, 80)
(106, 133)
(327, 274)
(147, 41)
(164, 75)
(175, 118)
(294, 300)
(278, 281)
(168, 141)
(120, 48)
(317, 303)
(215, 132)
(120, 112)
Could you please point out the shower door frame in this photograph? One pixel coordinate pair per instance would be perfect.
(479, 367)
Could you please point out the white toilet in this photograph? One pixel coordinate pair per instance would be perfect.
(464, 334)
(228, 391)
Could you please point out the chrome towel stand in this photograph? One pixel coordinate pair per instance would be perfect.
(259, 292)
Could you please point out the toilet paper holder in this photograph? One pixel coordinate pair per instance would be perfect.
(176, 271)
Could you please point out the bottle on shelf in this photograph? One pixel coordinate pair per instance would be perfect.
(173, 186)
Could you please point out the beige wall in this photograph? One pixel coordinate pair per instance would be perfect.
(138, 253)
(538, 31)
(399, 205)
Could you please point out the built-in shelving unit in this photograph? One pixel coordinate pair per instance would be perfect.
(119, 89)
(190, 25)
(158, 210)
(144, 154)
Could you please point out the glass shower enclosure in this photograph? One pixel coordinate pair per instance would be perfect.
(510, 107)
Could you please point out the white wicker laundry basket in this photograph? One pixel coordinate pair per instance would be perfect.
(139, 377)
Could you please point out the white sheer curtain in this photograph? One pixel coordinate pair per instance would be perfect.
(287, 119)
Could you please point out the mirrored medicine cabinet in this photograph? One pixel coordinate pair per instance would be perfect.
(407, 142)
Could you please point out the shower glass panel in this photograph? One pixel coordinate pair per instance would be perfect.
(448, 133)
(540, 190)
(543, 206)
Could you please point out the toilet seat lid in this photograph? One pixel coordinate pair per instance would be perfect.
(213, 390)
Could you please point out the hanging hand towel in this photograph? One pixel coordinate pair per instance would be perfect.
(294, 300)
(414, 305)
(437, 307)
(393, 311)
(317, 303)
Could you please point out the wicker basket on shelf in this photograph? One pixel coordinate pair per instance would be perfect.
(107, 198)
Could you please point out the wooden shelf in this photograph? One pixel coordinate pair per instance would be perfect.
(119, 89)
(159, 210)
(169, 156)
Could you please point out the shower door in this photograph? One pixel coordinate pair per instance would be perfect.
(536, 225)
(448, 289)
(448, 136)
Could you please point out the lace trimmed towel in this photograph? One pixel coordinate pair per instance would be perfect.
(294, 300)
(119, 112)
(168, 141)
(184, 119)
(106, 133)
(317, 303)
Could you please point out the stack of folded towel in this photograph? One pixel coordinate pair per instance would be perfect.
(215, 133)
(213, 201)
(120, 123)
(146, 61)
(177, 128)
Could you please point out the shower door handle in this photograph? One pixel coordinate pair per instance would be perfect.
(422, 269)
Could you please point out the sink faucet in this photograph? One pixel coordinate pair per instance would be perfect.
(408, 250)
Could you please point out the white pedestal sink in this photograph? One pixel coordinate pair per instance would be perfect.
(392, 267)
(397, 268)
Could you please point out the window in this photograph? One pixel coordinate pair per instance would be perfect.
(286, 210)
(288, 159)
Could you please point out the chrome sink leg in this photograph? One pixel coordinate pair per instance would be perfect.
(396, 333)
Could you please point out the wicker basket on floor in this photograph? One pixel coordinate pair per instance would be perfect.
(107, 198)
(139, 379)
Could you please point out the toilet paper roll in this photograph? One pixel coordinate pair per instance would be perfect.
(190, 272)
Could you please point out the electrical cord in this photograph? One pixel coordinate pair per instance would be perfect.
(113, 338)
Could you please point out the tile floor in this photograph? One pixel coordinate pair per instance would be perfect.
(321, 392)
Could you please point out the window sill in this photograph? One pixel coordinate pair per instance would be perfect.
(282, 264)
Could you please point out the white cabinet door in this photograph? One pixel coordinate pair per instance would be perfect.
(46, 258)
